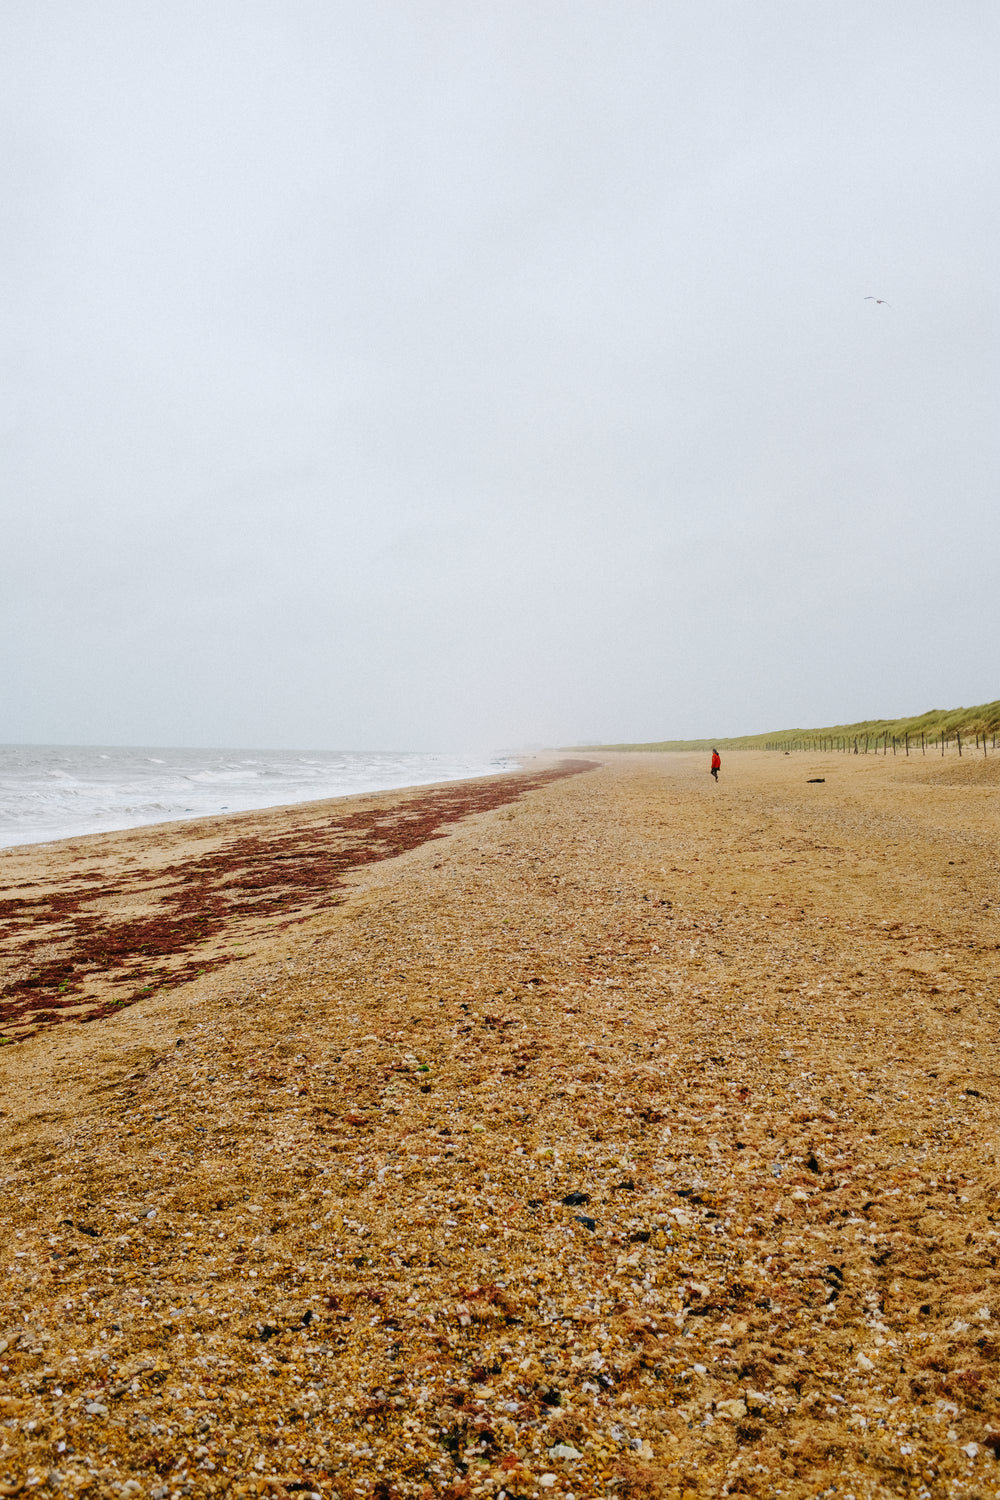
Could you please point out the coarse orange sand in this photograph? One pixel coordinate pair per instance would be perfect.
(635, 1136)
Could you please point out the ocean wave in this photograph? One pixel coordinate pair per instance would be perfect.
(54, 792)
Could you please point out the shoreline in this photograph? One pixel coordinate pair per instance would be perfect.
(75, 947)
(639, 1133)
(222, 772)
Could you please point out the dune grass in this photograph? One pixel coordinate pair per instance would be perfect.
(970, 723)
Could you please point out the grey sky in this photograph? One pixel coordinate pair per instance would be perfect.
(425, 374)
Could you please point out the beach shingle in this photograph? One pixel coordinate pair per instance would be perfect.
(619, 1123)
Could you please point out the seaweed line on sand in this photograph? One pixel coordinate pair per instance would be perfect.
(62, 940)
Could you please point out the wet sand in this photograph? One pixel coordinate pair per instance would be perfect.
(623, 1134)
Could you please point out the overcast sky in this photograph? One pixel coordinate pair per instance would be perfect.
(453, 375)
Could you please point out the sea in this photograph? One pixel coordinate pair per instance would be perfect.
(63, 791)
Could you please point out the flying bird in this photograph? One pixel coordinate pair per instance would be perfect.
(880, 301)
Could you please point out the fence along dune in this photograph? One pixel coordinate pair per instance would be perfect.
(954, 730)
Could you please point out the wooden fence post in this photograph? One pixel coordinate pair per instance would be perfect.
(959, 733)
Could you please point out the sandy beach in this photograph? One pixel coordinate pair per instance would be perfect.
(592, 1131)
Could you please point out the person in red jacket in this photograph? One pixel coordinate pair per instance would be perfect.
(716, 763)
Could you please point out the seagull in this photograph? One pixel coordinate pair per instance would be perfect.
(879, 301)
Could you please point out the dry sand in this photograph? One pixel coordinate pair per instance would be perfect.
(624, 1135)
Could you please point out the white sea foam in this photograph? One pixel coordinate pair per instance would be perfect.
(63, 791)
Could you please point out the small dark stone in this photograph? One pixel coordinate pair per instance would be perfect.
(749, 1432)
(534, 1202)
(574, 1200)
(641, 1237)
(626, 1186)
(815, 780)
(587, 1223)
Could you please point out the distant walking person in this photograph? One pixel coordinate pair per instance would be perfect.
(716, 763)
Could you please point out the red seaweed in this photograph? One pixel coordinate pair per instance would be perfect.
(289, 876)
